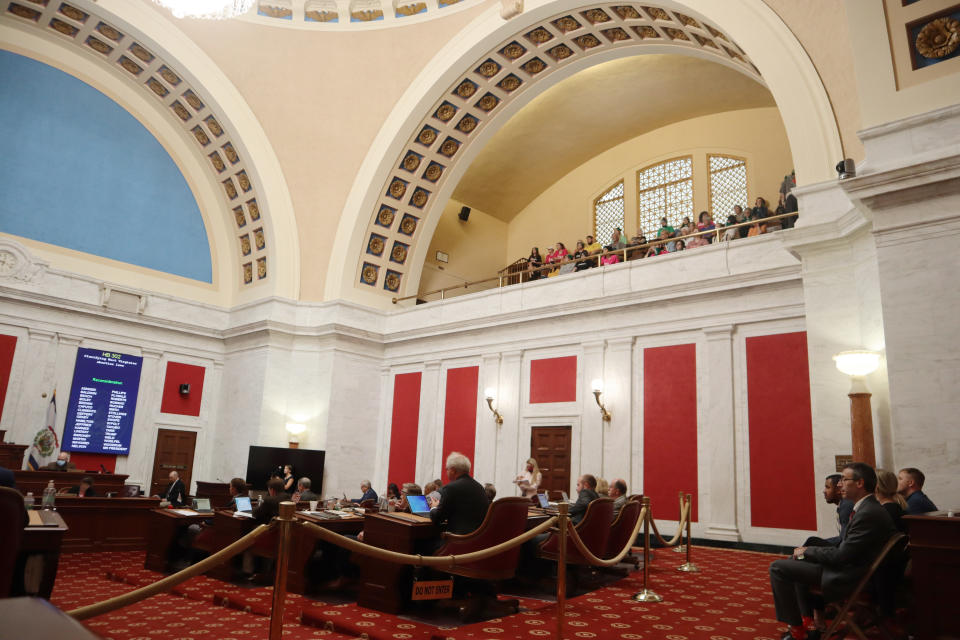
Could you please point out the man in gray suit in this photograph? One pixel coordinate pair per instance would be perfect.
(835, 570)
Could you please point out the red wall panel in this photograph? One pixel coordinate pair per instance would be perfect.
(8, 345)
(553, 380)
(177, 374)
(92, 462)
(670, 428)
(460, 413)
(782, 488)
(402, 466)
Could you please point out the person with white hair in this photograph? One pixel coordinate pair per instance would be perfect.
(463, 501)
(368, 492)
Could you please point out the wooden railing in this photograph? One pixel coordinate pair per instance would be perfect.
(514, 272)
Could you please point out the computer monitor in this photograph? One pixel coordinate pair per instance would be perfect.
(130, 491)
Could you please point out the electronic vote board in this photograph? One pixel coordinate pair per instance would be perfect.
(103, 399)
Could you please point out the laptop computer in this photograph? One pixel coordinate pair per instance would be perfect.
(418, 505)
(544, 503)
(202, 505)
(564, 496)
(243, 504)
(131, 490)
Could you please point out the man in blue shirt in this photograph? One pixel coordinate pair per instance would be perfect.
(368, 492)
(909, 486)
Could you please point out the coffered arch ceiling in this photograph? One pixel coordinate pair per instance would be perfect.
(123, 40)
(591, 112)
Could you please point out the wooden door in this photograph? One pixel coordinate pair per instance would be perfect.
(550, 446)
(174, 452)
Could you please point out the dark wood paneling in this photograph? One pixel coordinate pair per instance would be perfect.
(551, 448)
(11, 455)
(36, 481)
(935, 551)
(105, 524)
(174, 452)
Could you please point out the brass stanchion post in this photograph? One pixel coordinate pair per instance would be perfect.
(680, 548)
(646, 594)
(285, 521)
(688, 566)
(562, 522)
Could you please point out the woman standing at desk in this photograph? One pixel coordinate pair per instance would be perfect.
(529, 480)
(288, 481)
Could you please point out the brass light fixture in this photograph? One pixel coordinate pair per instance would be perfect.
(597, 386)
(491, 394)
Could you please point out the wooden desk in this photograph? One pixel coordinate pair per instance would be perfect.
(935, 552)
(164, 526)
(105, 524)
(43, 541)
(38, 620)
(303, 544)
(218, 492)
(36, 481)
(11, 455)
(386, 586)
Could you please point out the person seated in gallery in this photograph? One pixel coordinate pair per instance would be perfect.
(909, 486)
(831, 494)
(62, 463)
(412, 489)
(303, 492)
(7, 479)
(618, 491)
(463, 502)
(835, 570)
(490, 490)
(586, 493)
(431, 490)
(84, 489)
(368, 492)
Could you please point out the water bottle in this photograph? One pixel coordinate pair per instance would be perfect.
(260, 501)
(28, 501)
(49, 496)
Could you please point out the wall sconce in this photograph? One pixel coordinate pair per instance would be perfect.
(597, 386)
(491, 394)
(294, 429)
(857, 364)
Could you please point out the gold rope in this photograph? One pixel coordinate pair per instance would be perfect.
(594, 560)
(170, 581)
(683, 519)
(424, 561)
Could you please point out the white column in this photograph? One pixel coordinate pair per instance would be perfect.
(512, 451)
(716, 450)
(139, 463)
(488, 432)
(618, 399)
(430, 434)
(381, 465)
(592, 434)
(35, 389)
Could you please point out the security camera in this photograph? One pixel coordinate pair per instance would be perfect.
(846, 169)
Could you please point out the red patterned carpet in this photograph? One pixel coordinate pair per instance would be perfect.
(729, 599)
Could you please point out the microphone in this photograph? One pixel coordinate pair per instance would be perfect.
(103, 469)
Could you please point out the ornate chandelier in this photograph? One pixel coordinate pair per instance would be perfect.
(215, 9)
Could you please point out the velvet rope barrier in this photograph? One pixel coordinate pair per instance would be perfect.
(683, 518)
(170, 581)
(419, 560)
(594, 560)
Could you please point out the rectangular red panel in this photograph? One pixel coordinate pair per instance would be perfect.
(782, 488)
(8, 344)
(553, 380)
(175, 402)
(92, 461)
(460, 412)
(670, 428)
(403, 428)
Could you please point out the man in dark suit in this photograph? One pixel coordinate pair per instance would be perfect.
(84, 489)
(7, 479)
(175, 493)
(62, 463)
(835, 570)
(304, 493)
(831, 493)
(463, 502)
(270, 507)
(910, 485)
(586, 493)
(368, 492)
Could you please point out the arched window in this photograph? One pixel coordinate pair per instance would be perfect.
(728, 185)
(664, 190)
(608, 213)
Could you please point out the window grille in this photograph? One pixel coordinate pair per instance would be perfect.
(728, 185)
(608, 213)
(664, 190)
